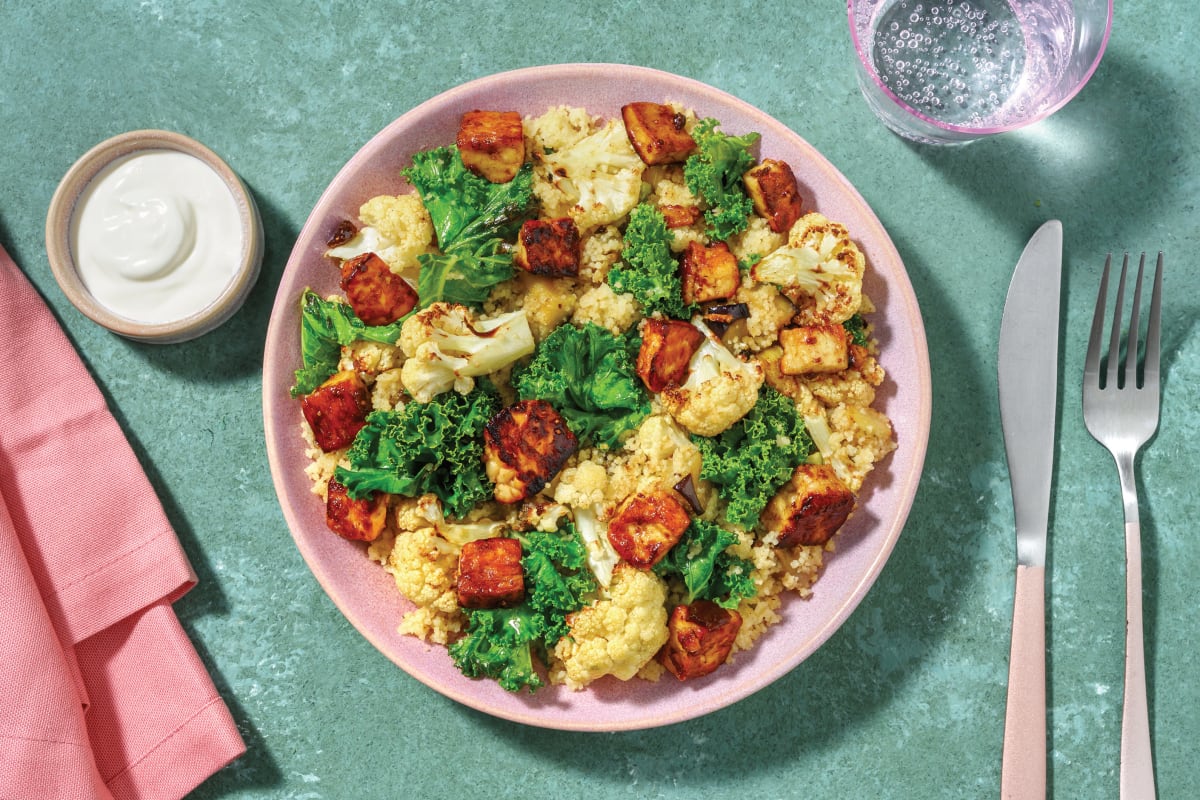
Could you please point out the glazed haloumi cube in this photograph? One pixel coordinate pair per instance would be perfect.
(666, 351)
(657, 132)
(360, 519)
(810, 508)
(709, 272)
(377, 295)
(492, 144)
(773, 190)
(549, 247)
(679, 216)
(524, 446)
(814, 348)
(702, 635)
(337, 410)
(490, 573)
(646, 525)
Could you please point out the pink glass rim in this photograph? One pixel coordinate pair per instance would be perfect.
(865, 61)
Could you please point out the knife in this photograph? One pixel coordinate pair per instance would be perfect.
(1028, 379)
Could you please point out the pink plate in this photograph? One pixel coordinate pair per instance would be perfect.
(367, 595)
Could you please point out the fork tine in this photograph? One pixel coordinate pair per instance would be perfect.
(1114, 342)
(1154, 330)
(1091, 363)
(1131, 343)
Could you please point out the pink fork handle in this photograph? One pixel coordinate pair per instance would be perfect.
(1023, 768)
(1137, 761)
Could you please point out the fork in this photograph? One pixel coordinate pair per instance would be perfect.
(1120, 409)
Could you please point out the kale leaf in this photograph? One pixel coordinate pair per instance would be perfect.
(714, 173)
(753, 458)
(708, 572)
(588, 375)
(650, 273)
(425, 447)
(325, 326)
(474, 221)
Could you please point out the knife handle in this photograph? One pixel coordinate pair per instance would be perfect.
(1023, 767)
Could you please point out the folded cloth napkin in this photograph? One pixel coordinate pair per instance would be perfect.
(102, 694)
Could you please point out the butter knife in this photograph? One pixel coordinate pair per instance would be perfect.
(1028, 379)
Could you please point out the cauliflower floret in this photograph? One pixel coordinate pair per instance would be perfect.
(603, 306)
(720, 388)
(583, 485)
(595, 181)
(423, 565)
(601, 557)
(757, 240)
(559, 127)
(820, 269)
(395, 228)
(447, 349)
(619, 633)
(370, 358)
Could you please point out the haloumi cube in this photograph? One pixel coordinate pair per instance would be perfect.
(657, 133)
(709, 272)
(814, 348)
(773, 190)
(492, 144)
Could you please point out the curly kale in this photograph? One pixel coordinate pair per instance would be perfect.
(757, 455)
(474, 219)
(714, 173)
(588, 374)
(708, 572)
(505, 643)
(425, 447)
(649, 272)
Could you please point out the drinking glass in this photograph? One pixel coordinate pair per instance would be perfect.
(952, 71)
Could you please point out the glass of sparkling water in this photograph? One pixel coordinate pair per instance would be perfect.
(952, 71)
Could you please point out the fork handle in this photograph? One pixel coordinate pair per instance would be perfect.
(1137, 760)
(1023, 765)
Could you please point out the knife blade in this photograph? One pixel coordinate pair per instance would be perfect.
(1027, 364)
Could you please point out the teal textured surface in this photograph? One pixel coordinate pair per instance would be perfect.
(907, 698)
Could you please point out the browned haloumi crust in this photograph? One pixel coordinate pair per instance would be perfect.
(525, 445)
(810, 508)
(709, 272)
(702, 635)
(337, 410)
(657, 132)
(772, 188)
(646, 525)
(490, 574)
(492, 144)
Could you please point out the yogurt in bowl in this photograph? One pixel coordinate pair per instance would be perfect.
(153, 236)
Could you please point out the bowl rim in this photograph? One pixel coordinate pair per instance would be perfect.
(60, 253)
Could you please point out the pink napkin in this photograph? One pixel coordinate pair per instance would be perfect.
(102, 694)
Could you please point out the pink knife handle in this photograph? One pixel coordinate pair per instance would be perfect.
(1023, 768)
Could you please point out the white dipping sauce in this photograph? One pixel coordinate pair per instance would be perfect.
(156, 236)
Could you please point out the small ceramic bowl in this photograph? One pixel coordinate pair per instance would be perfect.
(63, 259)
